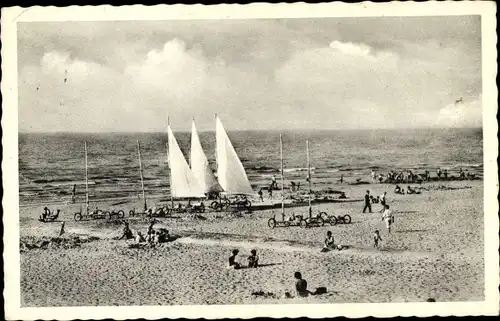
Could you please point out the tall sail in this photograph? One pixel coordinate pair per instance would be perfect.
(230, 172)
(200, 166)
(182, 181)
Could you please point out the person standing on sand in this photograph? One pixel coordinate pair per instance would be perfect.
(382, 201)
(73, 194)
(273, 182)
(270, 193)
(373, 176)
(261, 198)
(368, 204)
(376, 238)
(61, 232)
(388, 218)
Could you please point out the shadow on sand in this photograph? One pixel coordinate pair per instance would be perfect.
(411, 231)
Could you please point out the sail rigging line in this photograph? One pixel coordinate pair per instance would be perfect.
(86, 180)
(309, 176)
(282, 180)
(142, 178)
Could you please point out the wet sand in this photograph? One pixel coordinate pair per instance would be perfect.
(435, 250)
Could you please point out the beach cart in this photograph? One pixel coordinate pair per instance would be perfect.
(334, 220)
(294, 220)
(98, 215)
(157, 211)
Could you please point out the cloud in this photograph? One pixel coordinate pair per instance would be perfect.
(262, 74)
(466, 114)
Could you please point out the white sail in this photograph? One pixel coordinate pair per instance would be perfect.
(230, 172)
(200, 166)
(182, 181)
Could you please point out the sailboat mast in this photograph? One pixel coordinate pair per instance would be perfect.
(142, 178)
(170, 176)
(86, 181)
(282, 180)
(309, 176)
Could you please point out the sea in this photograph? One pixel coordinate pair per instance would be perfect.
(50, 164)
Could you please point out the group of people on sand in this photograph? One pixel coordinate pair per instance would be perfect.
(152, 236)
(253, 260)
(410, 190)
(411, 177)
(387, 215)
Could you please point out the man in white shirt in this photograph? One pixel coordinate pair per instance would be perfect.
(387, 218)
(382, 201)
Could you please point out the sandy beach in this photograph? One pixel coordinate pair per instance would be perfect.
(435, 251)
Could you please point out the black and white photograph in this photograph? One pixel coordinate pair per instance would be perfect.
(267, 160)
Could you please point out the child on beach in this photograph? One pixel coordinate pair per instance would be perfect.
(253, 259)
(232, 260)
(387, 218)
(376, 239)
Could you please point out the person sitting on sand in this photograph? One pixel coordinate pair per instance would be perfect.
(398, 190)
(301, 285)
(140, 238)
(329, 242)
(232, 260)
(411, 190)
(253, 259)
(342, 195)
(127, 233)
(376, 238)
(163, 236)
(45, 213)
(388, 218)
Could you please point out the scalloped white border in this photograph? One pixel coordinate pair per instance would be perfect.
(10, 202)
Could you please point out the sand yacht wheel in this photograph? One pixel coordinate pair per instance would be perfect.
(78, 216)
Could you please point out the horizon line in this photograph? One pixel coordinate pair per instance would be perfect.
(250, 130)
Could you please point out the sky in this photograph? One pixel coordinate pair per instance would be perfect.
(322, 73)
